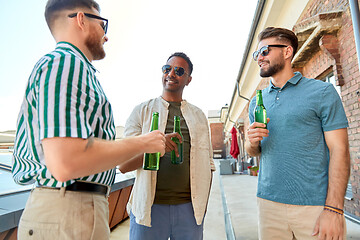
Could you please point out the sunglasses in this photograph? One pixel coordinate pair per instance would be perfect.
(104, 24)
(264, 51)
(178, 70)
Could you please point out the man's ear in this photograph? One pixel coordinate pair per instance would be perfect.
(289, 52)
(189, 80)
(80, 19)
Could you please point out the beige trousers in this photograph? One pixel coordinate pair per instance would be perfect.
(61, 214)
(287, 222)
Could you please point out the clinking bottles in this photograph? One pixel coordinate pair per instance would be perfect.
(174, 158)
(151, 160)
(260, 111)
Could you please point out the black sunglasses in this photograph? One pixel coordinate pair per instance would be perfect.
(104, 24)
(178, 70)
(264, 51)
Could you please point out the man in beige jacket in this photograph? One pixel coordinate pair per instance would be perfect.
(172, 201)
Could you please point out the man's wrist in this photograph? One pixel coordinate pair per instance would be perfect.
(256, 147)
(334, 201)
(334, 209)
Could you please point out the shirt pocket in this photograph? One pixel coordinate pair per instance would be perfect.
(38, 230)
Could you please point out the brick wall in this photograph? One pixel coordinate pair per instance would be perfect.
(320, 6)
(217, 137)
(338, 54)
(352, 106)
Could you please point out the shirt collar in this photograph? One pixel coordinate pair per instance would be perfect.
(294, 80)
(72, 48)
(183, 102)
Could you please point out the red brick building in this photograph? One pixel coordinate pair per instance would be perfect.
(217, 134)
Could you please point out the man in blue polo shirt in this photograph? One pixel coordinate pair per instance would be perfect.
(304, 166)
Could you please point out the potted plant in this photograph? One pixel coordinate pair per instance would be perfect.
(254, 170)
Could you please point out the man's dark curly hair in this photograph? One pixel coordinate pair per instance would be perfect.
(185, 57)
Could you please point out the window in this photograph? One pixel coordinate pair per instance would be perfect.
(331, 79)
(349, 193)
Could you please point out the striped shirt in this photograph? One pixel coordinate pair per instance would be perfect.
(63, 98)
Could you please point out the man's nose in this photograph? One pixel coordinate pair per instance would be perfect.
(172, 72)
(260, 57)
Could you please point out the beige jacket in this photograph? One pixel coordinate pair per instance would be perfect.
(201, 161)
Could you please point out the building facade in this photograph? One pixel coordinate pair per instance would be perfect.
(217, 134)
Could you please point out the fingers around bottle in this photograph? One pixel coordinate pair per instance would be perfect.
(169, 145)
(257, 125)
(176, 151)
(162, 153)
(174, 134)
(160, 139)
(178, 136)
(255, 141)
(258, 131)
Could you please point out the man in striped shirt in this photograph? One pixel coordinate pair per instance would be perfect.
(64, 132)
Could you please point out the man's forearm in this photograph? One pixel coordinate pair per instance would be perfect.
(339, 166)
(339, 169)
(132, 164)
(71, 158)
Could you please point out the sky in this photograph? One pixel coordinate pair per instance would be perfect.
(142, 35)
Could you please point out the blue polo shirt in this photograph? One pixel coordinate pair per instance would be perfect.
(295, 158)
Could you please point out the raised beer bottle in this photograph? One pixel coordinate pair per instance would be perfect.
(151, 160)
(260, 111)
(174, 158)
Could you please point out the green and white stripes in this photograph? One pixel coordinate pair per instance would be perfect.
(63, 98)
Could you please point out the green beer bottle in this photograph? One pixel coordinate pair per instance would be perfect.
(260, 111)
(151, 160)
(174, 158)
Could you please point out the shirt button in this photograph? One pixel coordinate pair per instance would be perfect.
(279, 90)
(277, 98)
(31, 232)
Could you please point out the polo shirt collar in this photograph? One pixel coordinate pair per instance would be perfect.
(72, 48)
(294, 80)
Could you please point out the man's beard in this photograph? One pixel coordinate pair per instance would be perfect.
(272, 70)
(93, 43)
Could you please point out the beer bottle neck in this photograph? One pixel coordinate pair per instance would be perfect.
(177, 124)
(259, 100)
(155, 122)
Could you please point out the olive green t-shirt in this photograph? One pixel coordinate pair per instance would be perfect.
(173, 181)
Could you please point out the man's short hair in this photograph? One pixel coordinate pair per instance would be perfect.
(185, 57)
(282, 34)
(53, 7)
